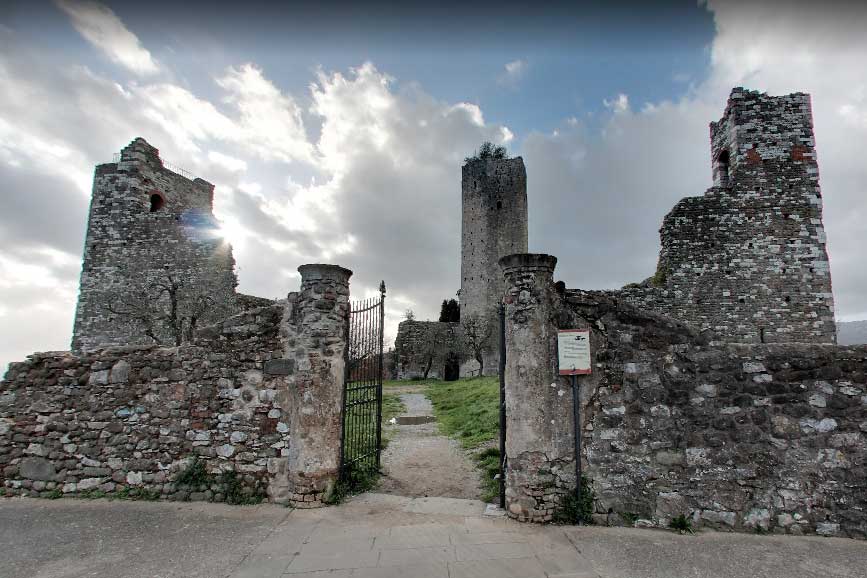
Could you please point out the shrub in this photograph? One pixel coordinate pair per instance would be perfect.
(488, 151)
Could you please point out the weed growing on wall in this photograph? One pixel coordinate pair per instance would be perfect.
(233, 488)
(229, 483)
(574, 510)
(681, 524)
(629, 517)
(195, 475)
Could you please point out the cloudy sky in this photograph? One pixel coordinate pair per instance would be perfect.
(336, 133)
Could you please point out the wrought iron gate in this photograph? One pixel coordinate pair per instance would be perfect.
(362, 391)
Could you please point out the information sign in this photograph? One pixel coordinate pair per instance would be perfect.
(573, 348)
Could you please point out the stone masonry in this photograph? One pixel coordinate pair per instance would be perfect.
(148, 224)
(419, 342)
(748, 260)
(258, 394)
(536, 446)
(744, 437)
(494, 224)
(314, 335)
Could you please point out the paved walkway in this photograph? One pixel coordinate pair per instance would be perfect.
(379, 536)
(420, 462)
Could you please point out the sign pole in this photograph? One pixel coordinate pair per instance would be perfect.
(502, 406)
(576, 416)
(573, 359)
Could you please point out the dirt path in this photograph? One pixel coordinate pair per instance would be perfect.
(419, 461)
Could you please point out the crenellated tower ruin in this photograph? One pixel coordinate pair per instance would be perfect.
(150, 228)
(748, 259)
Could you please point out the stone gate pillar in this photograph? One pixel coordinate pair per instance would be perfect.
(315, 333)
(539, 450)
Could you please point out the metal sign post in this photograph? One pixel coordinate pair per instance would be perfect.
(502, 473)
(576, 417)
(573, 355)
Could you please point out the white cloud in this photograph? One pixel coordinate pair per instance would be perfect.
(102, 28)
(376, 187)
(616, 185)
(269, 122)
(230, 163)
(513, 72)
(618, 104)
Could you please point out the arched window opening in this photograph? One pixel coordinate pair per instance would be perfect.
(722, 169)
(157, 202)
(499, 205)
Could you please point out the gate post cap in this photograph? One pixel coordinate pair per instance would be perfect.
(312, 271)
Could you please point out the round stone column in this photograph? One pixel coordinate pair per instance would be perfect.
(315, 333)
(538, 451)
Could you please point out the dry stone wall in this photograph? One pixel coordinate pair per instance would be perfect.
(134, 417)
(748, 260)
(735, 437)
(258, 394)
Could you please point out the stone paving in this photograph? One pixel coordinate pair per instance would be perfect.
(379, 536)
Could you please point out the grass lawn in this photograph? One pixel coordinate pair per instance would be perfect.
(468, 410)
(389, 383)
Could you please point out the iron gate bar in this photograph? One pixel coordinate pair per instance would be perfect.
(362, 393)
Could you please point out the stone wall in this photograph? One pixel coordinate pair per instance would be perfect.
(494, 224)
(748, 259)
(735, 437)
(150, 227)
(258, 394)
(419, 343)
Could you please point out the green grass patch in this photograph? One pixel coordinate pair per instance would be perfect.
(488, 461)
(391, 406)
(392, 383)
(467, 409)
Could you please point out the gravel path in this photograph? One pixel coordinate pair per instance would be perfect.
(420, 462)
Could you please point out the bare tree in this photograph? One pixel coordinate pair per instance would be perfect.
(476, 338)
(164, 307)
(439, 344)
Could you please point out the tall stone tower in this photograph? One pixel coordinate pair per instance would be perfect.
(494, 224)
(150, 228)
(748, 259)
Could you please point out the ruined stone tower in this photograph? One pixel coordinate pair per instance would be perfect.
(148, 228)
(494, 224)
(748, 259)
